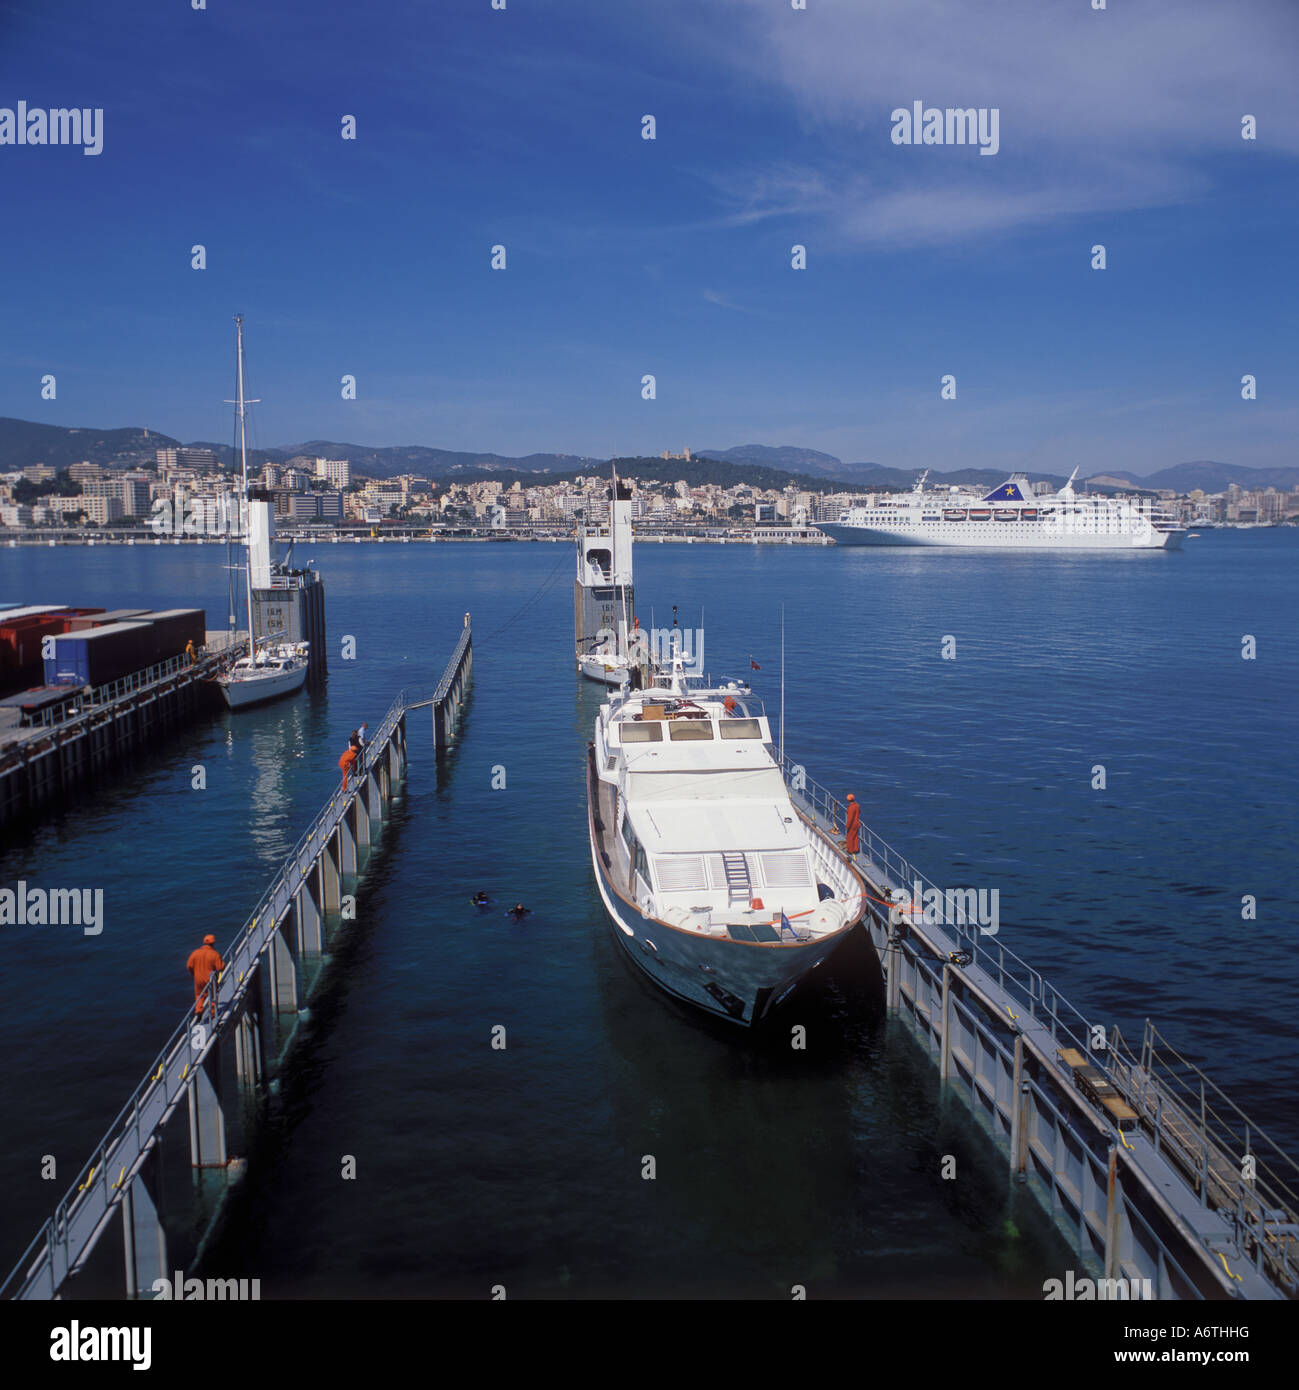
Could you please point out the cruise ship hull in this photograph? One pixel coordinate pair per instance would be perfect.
(1008, 535)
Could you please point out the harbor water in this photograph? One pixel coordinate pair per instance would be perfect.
(526, 1166)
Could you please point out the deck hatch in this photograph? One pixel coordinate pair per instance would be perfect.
(680, 873)
(786, 871)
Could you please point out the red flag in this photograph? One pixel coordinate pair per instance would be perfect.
(754, 665)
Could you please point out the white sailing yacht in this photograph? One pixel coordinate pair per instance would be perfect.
(717, 887)
(271, 669)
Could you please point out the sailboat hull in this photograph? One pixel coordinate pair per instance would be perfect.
(595, 668)
(261, 688)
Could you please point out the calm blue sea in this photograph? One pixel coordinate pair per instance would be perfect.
(523, 1167)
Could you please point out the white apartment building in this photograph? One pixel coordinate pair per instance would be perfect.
(103, 509)
(336, 472)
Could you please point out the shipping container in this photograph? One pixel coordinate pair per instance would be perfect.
(101, 655)
(8, 615)
(176, 626)
(86, 618)
(23, 638)
(22, 652)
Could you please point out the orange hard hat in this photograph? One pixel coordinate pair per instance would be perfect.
(851, 797)
(209, 941)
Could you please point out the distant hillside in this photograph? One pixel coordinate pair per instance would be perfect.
(703, 470)
(863, 475)
(1215, 477)
(436, 463)
(782, 457)
(449, 466)
(815, 463)
(25, 442)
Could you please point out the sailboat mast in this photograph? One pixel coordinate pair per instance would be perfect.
(620, 641)
(240, 407)
(782, 684)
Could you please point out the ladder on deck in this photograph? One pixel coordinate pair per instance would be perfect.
(736, 867)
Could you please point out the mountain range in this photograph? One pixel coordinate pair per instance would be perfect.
(25, 442)
(1207, 474)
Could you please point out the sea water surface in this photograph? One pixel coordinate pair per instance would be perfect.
(524, 1167)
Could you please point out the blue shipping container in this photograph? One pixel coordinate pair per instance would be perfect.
(101, 655)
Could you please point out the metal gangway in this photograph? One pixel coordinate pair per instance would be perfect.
(263, 982)
(1147, 1167)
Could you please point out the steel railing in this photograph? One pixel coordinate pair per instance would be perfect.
(1204, 1133)
(84, 700)
(155, 1097)
(1044, 1004)
(1191, 1120)
(453, 666)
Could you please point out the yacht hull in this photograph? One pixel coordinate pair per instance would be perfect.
(738, 981)
(596, 670)
(244, 694)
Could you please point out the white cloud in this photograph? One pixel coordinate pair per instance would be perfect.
(1130, 107)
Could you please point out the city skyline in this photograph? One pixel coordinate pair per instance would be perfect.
(671, 257)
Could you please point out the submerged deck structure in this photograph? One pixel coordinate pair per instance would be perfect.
(1145, 1166)
(210, 1071)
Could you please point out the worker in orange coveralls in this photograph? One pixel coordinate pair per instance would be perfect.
(852, 824)
(346, 761)
(203, 964)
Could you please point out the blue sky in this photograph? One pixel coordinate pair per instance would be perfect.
(671, 257)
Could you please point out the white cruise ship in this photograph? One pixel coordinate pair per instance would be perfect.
(716, 887)
(1010, 517)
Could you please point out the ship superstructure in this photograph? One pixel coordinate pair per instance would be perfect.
(603, 594)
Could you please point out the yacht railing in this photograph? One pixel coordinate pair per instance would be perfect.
(752, 707)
